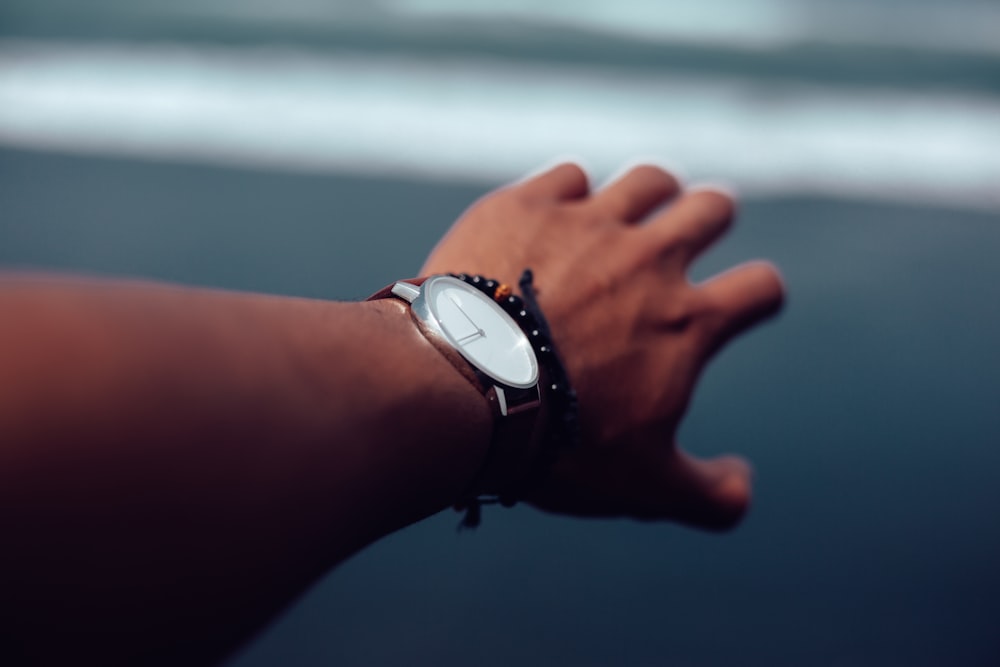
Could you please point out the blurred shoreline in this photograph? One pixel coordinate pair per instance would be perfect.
(484, 121)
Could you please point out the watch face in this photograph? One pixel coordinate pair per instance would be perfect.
(480, 330)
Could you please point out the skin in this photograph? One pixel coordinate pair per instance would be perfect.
(634, 332)
(177, 464)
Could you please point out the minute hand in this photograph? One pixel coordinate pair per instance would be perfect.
(466, 316)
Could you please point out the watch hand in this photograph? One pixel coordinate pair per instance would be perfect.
(479, 331)
(470, 337)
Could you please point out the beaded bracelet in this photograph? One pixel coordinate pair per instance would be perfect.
(564, 411)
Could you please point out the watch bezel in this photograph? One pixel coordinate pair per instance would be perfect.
(423, 311)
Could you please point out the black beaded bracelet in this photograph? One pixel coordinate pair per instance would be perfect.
(564, 407)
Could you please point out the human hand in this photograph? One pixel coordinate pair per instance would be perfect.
(611, 275)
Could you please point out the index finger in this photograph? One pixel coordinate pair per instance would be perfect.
(563, 182)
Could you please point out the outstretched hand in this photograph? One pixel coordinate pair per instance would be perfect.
(611, 274)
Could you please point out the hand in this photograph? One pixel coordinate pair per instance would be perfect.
(611, 274)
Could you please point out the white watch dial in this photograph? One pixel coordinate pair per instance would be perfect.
(481, 331)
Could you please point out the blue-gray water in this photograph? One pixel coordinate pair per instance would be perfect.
(870, 409)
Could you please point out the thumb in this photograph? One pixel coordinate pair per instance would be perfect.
(709, 493)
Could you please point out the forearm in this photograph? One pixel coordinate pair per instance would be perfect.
(177, 464)
(185, 461)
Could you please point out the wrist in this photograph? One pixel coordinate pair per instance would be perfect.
(437, 427)
(500, 344)
(469, 323)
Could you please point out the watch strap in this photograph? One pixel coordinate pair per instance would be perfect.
(512, 449)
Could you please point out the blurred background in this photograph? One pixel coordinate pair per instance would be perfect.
(320, 147)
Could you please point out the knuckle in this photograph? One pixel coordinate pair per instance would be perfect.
(572, 171)
(572, 179)
(713, 316)
(654, 176)
(680, 311)
(714, 204)
(651, 171)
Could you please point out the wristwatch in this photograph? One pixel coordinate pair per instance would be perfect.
(462, 318)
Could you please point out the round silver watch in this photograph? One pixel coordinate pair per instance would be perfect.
(473, 324)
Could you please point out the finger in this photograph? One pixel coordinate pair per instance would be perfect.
(563, 182)
(637, 193)
(692, 223)
(741, 297)
(709, 493)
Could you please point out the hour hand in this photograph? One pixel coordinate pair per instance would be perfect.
(468, 338)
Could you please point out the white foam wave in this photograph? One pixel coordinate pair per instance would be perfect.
(488, 122)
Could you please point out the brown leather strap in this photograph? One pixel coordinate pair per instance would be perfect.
(513, 451)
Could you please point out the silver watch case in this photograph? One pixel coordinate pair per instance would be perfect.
(511, 399)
